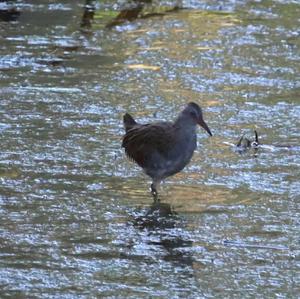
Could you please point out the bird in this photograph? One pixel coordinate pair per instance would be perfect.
(244, 143)
(163, 149)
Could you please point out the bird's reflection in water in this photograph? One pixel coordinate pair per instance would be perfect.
(159, 215)
(163, 226)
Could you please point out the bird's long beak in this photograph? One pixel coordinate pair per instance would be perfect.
(203, 124)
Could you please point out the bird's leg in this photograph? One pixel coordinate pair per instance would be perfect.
(154, 187)
(153, 190)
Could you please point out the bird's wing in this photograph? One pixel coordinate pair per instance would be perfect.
(256, 136)
(240, 141)
(143, 140)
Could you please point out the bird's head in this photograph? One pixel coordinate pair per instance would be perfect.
(194, 112)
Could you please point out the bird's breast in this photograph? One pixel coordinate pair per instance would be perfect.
(178, 157)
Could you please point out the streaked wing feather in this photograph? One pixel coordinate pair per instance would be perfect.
(142, 140)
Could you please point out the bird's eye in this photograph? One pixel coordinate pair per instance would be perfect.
(193, 114)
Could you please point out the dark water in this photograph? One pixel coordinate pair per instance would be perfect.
(76, 217)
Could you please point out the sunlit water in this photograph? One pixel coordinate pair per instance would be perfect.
(77, 219)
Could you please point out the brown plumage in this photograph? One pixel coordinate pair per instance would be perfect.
(163, 148)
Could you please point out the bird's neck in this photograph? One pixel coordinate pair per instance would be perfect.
(185, 123)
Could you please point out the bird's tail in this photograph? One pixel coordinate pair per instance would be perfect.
(128, 122)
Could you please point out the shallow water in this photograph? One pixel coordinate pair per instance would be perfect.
(77, 219)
